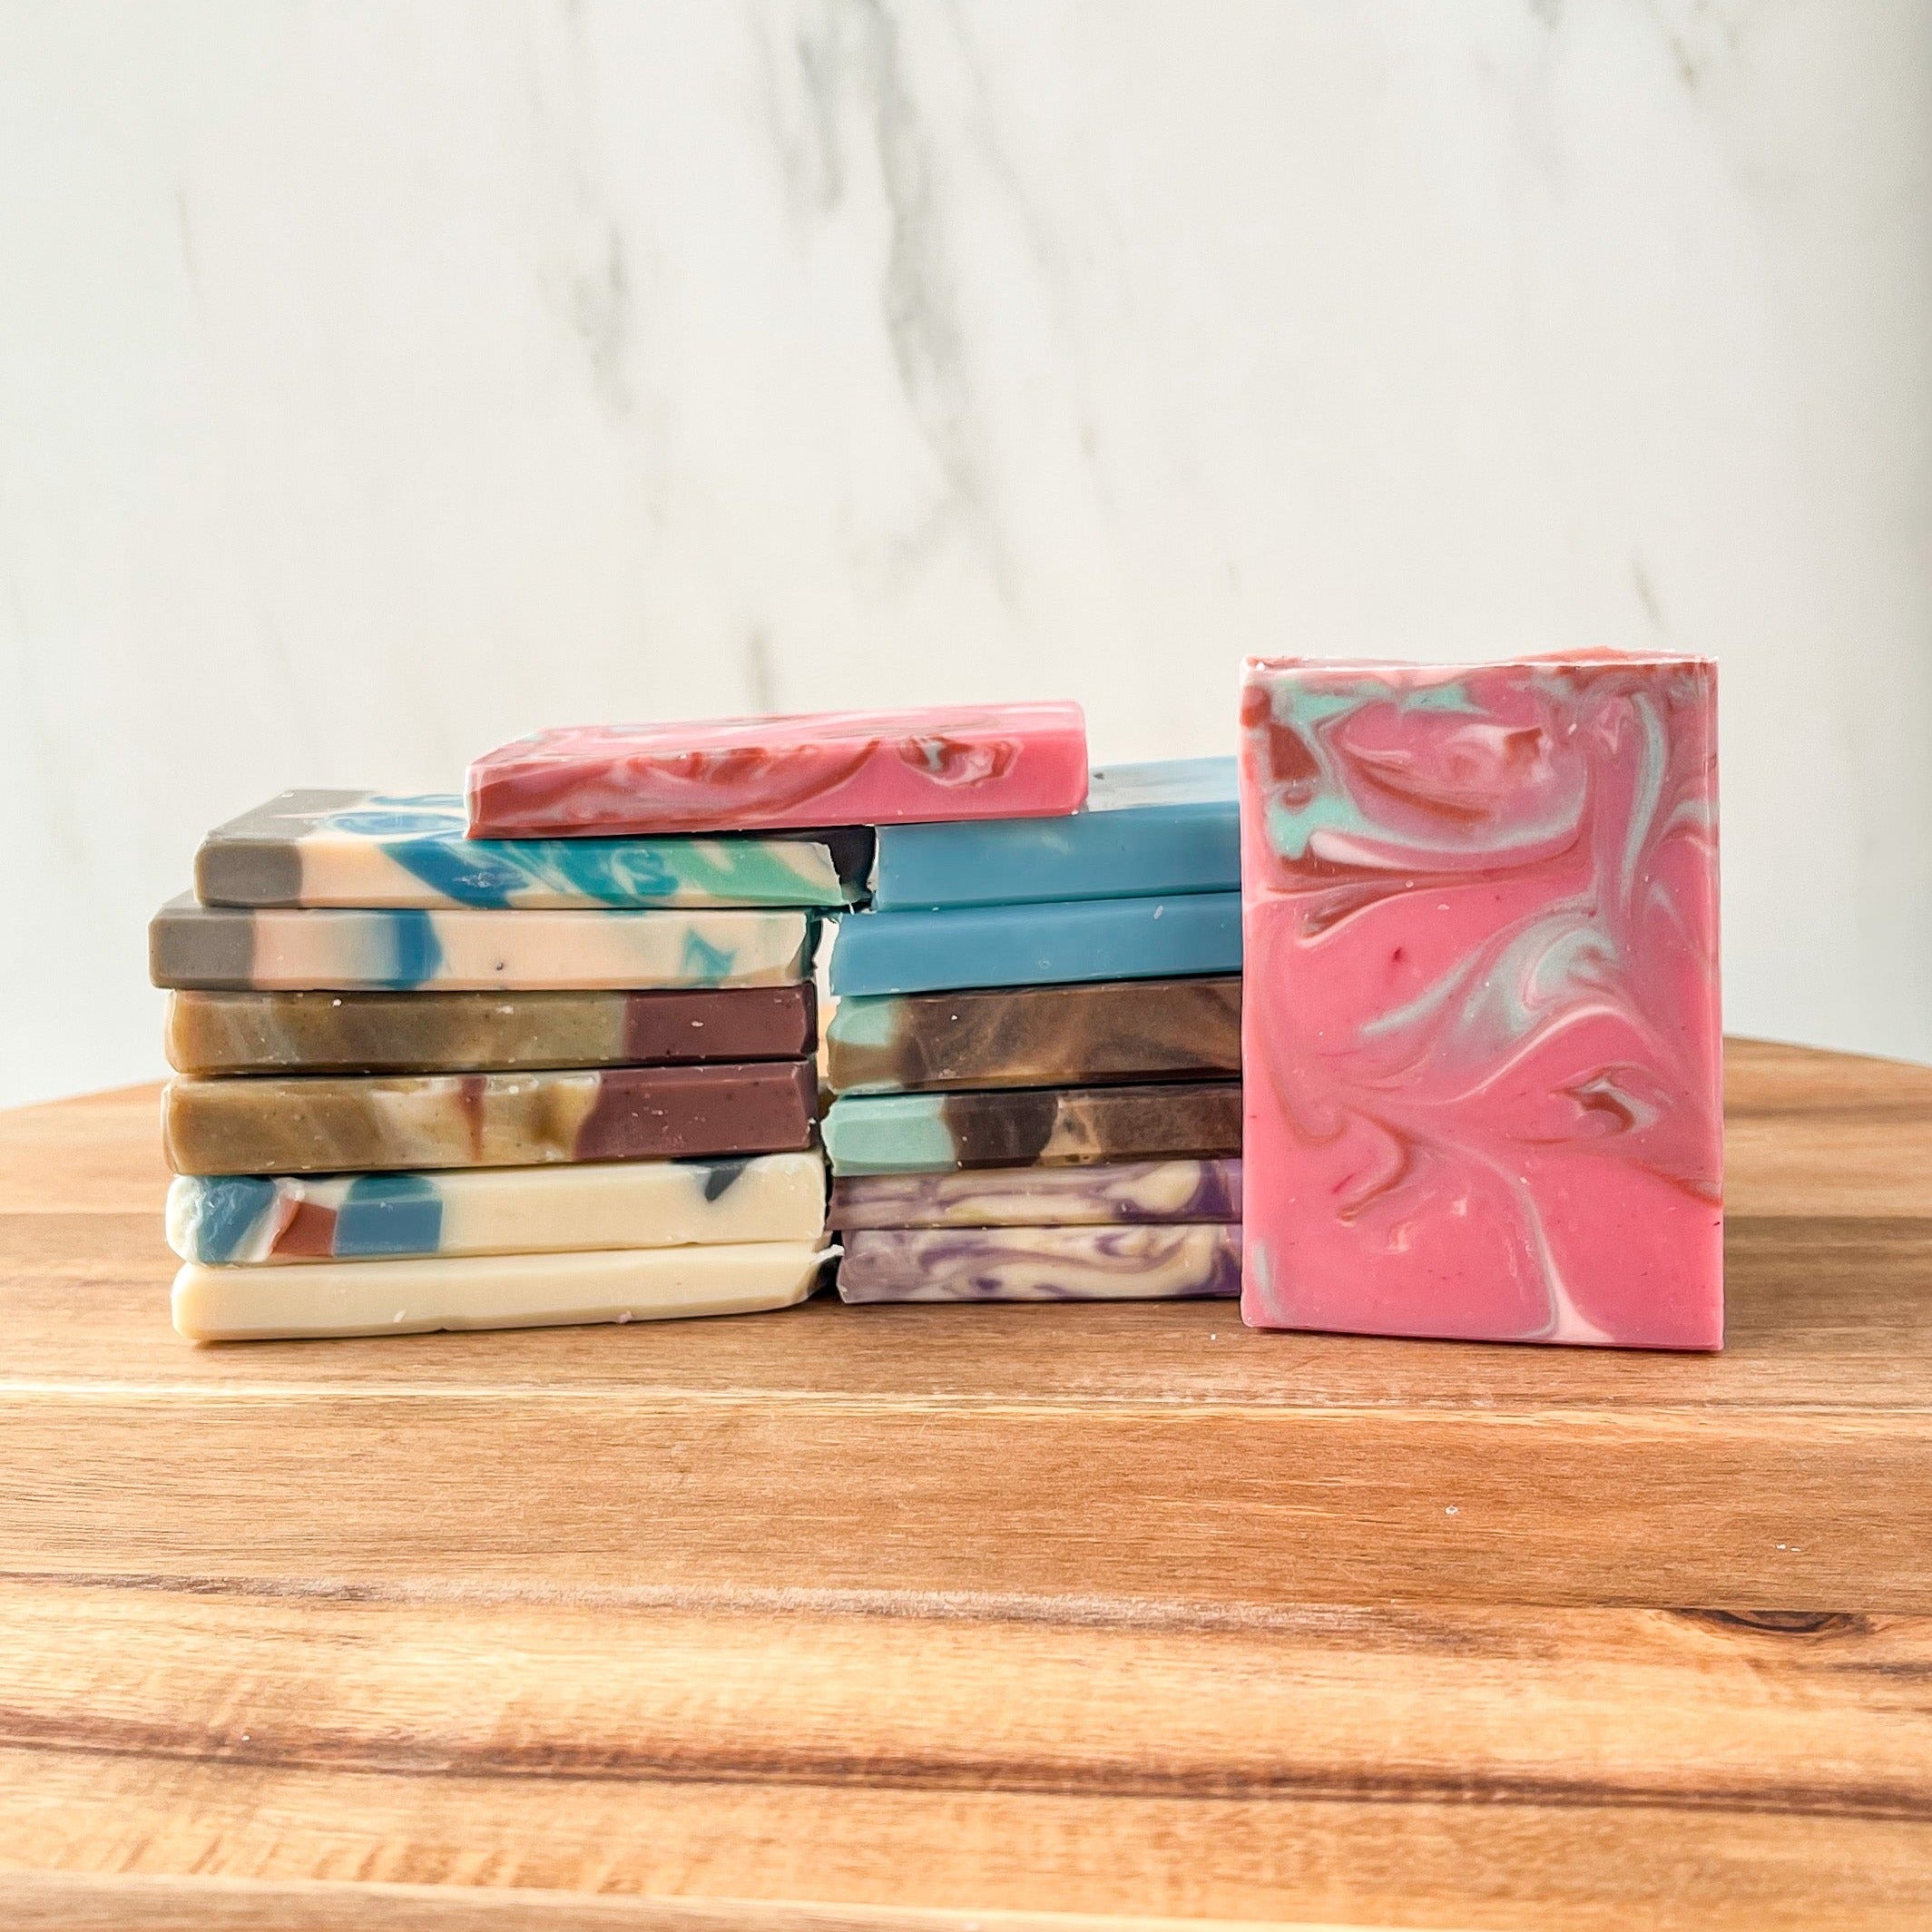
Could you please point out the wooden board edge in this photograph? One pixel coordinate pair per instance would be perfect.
(64, 1901)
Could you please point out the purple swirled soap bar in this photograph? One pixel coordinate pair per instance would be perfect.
(1482, 1060)
(1148, 1263)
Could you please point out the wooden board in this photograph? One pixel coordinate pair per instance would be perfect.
(939, 1616)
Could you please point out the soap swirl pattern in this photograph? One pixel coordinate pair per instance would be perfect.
(834, 768)
(424, 834)
(1098, 1193)
(1482, 1041)
(1040, 1264)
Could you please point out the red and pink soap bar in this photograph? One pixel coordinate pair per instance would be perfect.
(1482, 1059)
(748, 774)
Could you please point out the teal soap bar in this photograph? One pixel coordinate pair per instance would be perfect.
(1037, 946)
(1169, 826)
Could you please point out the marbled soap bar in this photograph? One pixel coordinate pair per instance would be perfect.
(331, 1124)
(907, 1133)
(1041, 1264)
(228, 1218)
(1040, 944)
(833, 768)
(1097, 1194)
(460, 1033)
(491, 1291)
(1482, 1055)
(367, 848)
(223, 948)
(1173, 826)
(1035, 1037)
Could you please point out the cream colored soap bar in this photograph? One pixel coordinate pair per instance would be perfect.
(491, 1291)
(394, 950)
(225, 1219)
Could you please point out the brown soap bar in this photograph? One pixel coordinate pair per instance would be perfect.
(905, 1133)
(1037, 1036)
(324, 1124)
(434, 1033)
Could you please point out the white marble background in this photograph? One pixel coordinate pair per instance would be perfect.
(380, 380)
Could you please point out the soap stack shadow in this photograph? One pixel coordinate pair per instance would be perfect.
(425, 1082)
(1035, 1052)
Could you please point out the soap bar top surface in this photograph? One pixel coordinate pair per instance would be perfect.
(1102, 1194)
(1058, 943)
(228, 1219)
(830, 768)
(492, 1290)
(1169, 826)
(1482, 1055)
(907, 1133)
(1041, 1264)
(343, 1124)
(462, 1033)
(363, 848)
(1035, 1037)
(220, 948)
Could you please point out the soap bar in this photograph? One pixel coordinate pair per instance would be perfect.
(907, 1133)
(223, 947)
(1482, 1058)
(243, 1218)
(491, 1291)
(833, 768)
(375, 849)
(333, 1125)
(1041, 1264)
(429, 1033)
(1101, 1193)
(1040, 944)
(1172, 826)
(1035, 1037)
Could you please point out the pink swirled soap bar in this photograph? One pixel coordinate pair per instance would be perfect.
(830, 768)
(1481, 1048)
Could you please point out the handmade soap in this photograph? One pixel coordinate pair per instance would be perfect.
(834, 768)
(245, 1217)
(329, 949)
(346, 1123)
(429, 1033)
(1167, 827)
(1482, 1056)
(1100, 1193)
(1041, 1264)
(906, 1134)
(373, 848)
(491, 1291)
(1035, 1037)
(1039, 945)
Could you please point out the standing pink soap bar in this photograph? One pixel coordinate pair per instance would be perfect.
(1481, 1051)
(833, 768)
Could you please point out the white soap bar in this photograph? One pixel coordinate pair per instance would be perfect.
(491, 1291)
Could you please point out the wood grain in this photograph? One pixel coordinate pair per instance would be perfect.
(925, 1617)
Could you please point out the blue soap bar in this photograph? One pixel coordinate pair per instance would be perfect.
(1172, 826)
(1038, 945)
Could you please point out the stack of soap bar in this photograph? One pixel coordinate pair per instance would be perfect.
(1482, 1059)
(399, 1050)
(1036, 1051)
